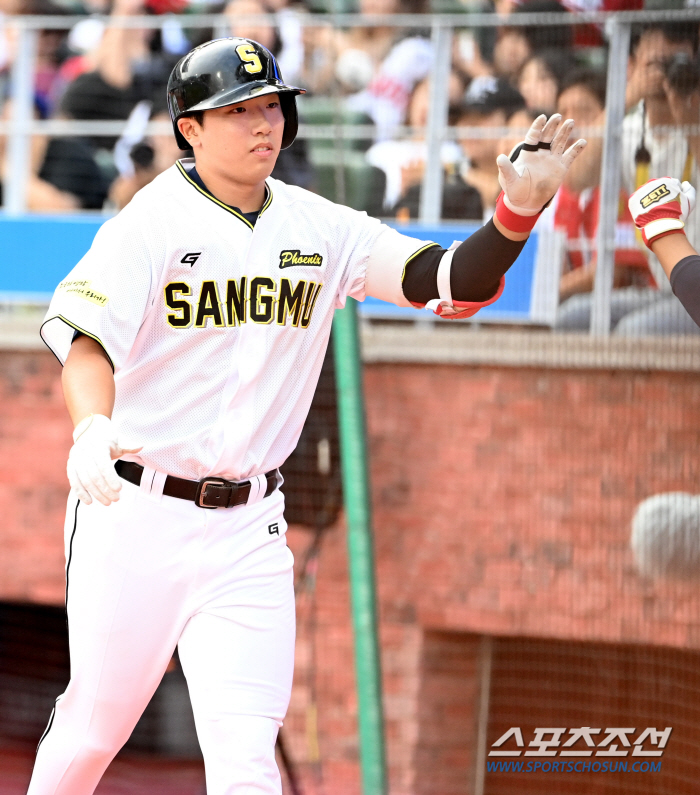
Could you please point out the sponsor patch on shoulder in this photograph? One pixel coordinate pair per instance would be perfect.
(81, 288)
(293, 257)
(658, 193)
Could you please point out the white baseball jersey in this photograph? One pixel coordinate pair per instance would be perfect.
(216, 329)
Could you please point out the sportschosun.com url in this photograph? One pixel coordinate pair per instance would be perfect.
(572, 766)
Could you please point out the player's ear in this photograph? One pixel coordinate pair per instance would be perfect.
(189, 128)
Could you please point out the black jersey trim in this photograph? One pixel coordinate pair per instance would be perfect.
(77, 328)
(414, 255)
(70, 553)
(268, 200)
(70, 558)
(211, 197)
(50, 724)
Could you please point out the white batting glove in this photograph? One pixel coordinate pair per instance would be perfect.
(661, 206)
(90, 469)
(535, 169)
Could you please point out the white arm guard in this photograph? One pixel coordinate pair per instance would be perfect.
(444, 306)
(389, 256)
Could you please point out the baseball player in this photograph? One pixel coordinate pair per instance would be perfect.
(192, 335)
(660, 209)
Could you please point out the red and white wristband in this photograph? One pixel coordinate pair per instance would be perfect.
(660, 222)
(515, 222)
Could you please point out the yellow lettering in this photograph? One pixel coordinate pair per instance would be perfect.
(209, 305)
(290, 301)
(262, 306)
(172, 291)
(236, 301)
(247, 54)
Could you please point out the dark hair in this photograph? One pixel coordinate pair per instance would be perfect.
(590, 79)
(675, 32)
(559, 63)
(197, 115)
(541, 37)
(487, 94)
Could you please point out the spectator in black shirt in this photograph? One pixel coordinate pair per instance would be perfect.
(63, 173)
(127, 71)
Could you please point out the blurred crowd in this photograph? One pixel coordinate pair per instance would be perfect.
(501, 78)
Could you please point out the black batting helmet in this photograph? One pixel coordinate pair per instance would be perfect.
(226, 71)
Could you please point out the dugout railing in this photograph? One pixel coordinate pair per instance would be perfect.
(341, 164)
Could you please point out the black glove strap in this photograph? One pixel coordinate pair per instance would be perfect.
(528, 148)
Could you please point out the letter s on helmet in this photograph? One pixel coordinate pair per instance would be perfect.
(226, 71)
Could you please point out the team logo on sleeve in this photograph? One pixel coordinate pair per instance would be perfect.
(654, 196)
(293, 257)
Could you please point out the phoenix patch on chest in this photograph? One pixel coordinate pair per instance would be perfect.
(293, 257)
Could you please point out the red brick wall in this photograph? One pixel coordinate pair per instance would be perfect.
(35, 436)
(503, 497)
(502, 505)
(448, 706)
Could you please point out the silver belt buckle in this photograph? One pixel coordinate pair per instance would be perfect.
(201, 496)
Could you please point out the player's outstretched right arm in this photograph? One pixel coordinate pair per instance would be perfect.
(457, 283)
(660, 208)
(88, 388)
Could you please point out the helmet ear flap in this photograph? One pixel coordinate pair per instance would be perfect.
(291, 118)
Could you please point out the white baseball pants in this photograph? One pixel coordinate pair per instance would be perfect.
(150, 573)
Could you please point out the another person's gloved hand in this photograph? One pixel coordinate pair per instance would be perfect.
(661, 206)
(534, 171)
(90, 469)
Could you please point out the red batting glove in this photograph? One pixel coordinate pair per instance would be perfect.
(660, 207)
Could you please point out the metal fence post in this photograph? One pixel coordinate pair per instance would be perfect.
(357, 499)
(19, 140)
(431, 192)
(610, 176)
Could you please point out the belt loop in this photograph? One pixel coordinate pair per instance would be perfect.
(258, 487)
(158, 484)
(152, 481)
(147, 479)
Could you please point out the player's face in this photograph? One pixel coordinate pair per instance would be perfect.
(241, 140)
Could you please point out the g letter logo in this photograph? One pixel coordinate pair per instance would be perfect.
(190, 259)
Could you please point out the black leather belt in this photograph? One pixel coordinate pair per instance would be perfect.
(207, 493)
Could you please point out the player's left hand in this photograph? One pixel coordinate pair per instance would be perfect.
(535, 169)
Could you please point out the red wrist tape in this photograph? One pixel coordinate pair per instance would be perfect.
(512, 221)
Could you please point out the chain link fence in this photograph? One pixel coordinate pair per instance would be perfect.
(508, 453)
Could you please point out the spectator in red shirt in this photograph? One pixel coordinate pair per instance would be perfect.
(576, 209)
